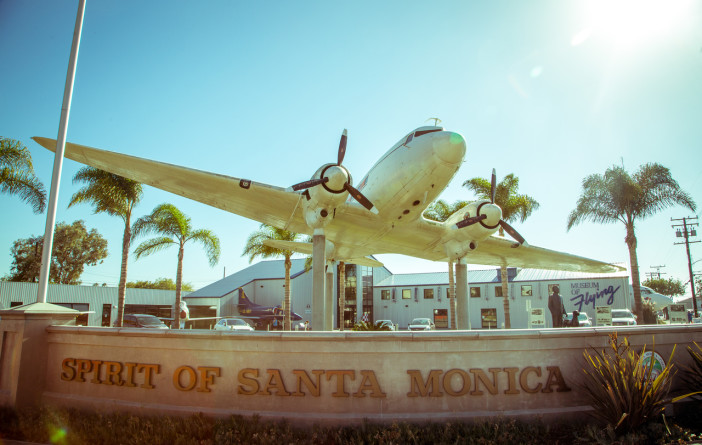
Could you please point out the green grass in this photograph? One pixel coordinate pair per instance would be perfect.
(72, 426)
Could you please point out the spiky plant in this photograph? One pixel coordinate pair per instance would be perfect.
(692, 375)
(368, 326)
(622, 389)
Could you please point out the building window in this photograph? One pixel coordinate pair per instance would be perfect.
(488, 318)
(498, 291)
(526, 291)
(82, 319)
(406, 294)
(474, 292)
(428, 294)
(385, 294)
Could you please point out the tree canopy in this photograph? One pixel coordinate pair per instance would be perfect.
(671, 286)
(74, 248)
(159, 283)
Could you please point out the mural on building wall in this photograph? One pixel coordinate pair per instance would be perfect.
(589, 294)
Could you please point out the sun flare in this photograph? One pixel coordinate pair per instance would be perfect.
(628, 22)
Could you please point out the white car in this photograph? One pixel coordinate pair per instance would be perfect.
(421, 324)
(623, 317)
(232, 324)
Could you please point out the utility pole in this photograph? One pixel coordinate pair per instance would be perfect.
(688, 230)
(658, 273)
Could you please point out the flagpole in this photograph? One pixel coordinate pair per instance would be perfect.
(58, 158)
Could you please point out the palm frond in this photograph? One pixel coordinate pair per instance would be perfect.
(153, 245)
(209, 241)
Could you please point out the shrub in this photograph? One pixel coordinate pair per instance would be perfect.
(622, 389)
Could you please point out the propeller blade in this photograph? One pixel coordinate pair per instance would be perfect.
(358, 196)
(470, 221)
(342, 147)
(307, 184)
(493, 186)
(513, 233)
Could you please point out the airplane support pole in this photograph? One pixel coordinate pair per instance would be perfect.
(452, 296)
(342, 295)
(329, 297)
(318, 285)
(462, 318)
(45, 270)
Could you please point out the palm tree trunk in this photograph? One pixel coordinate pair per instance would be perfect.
(342, 294)
(122, 289)
(286, 302)
(505, 295)
(452, 296)
(179, 282)
(634, 265)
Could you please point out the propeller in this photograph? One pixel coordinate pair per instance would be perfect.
(479, 218)
(357, 195)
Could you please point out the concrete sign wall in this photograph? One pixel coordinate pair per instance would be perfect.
(333, 377)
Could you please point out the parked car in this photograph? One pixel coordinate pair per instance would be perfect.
(421, 324)
(232, 324)
(388, 323)
(142, 321)
(623, 317)
(584, 320)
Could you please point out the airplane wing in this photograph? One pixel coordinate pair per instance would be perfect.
(306, 248)
(496, 250)
(261, 202)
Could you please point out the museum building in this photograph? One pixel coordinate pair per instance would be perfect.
(370, 294)
(375, 293)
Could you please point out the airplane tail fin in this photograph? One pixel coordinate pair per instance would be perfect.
(243, 299)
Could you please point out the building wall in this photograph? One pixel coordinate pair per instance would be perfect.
(581, 294)
(93, 297)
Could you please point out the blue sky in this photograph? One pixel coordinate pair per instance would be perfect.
(551, 91)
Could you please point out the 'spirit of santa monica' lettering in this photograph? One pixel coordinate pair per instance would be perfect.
(457, 382)
(129, 375)
(337, 383)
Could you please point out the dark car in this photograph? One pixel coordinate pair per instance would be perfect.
(142, 321)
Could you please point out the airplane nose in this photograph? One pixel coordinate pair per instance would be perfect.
(450, 147)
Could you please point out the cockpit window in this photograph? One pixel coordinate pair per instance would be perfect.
(423, 132)
(409, 138)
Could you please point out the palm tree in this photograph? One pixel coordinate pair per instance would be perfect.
(17, 174)
(116, 196)
(175, 228)
(617, 196)
(255, 247)
(440, 210)
(514, 206)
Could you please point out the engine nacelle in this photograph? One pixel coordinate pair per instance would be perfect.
(456, 249)
(323, 199)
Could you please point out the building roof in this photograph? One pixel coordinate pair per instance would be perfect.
(263, 270)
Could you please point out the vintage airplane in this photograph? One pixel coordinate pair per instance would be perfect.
(262, 315)
(383, 214)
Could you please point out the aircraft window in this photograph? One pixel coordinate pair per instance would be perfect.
(423, 132)
(409, 138)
